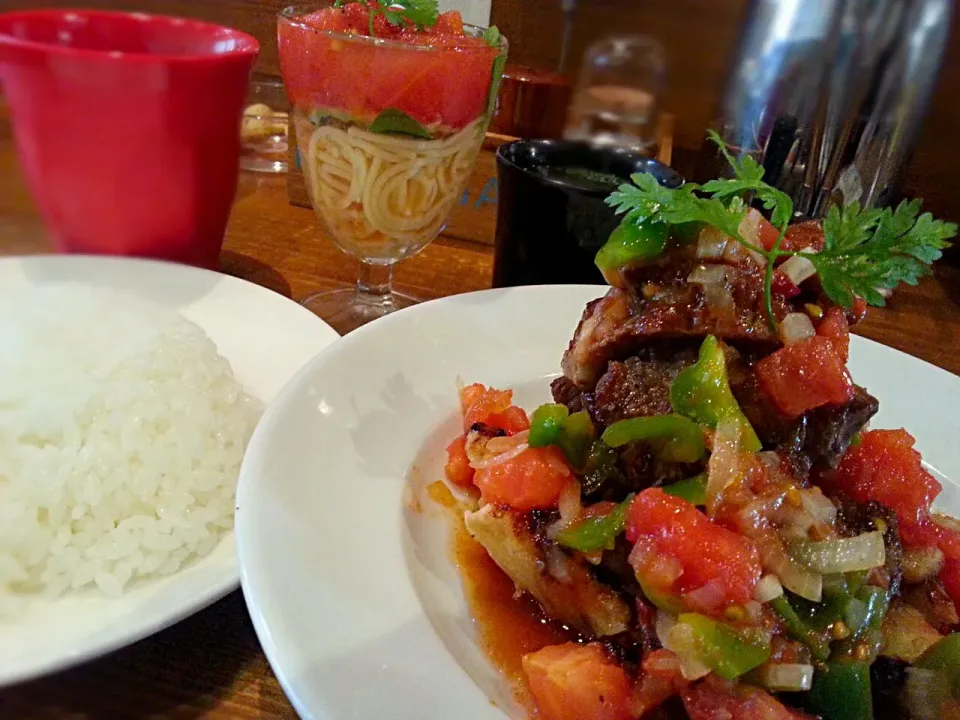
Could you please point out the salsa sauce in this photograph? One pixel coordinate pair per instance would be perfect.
(508, 626)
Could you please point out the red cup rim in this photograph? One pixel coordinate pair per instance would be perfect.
(290, 14)
(248, 45)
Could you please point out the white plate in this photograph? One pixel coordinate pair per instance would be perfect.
(266, 338)
(352, 592)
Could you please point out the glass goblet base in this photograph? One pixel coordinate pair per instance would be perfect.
(348, 307)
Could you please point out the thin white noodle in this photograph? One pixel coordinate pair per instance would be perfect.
(363, 184)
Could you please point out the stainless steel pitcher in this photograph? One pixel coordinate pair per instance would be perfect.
(829, 95)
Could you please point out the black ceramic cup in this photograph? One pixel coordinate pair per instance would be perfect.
(551, 215)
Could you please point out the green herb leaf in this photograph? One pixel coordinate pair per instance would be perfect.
(396, 122)
(422, 13)
(492, 37)
(868, 250)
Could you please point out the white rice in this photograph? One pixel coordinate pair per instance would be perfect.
(121, 435)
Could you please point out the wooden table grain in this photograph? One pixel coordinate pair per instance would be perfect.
(211, 665)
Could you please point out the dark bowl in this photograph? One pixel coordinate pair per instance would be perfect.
(549, 228)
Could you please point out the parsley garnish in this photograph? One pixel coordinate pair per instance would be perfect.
(418, 13)
(865, 250)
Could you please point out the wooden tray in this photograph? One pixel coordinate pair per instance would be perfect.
(474, 218)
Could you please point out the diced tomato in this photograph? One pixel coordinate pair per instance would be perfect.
(678, 550)
(662, 679)
(887, 469)
(804, 376)
(477, 406)
(801, 236)
(449, 23)
(357, 17)
(757, 230)
(512, 420)
(858, 312)
(457, 469)
(532, 480)
(578, 682)
(716, 699)
(783, 285)
(836, 329)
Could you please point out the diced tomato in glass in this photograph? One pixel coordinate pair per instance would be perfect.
(457, 469)
(783, 285)
(887, 469)
(578, 682)
(449, 23)
(512, 420)
(678, 550)
(801, 236)
(532, 480)
(835, 327)
(716, 699)
(804, 376)
(445, 88)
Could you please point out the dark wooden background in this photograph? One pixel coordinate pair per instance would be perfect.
(699, 37)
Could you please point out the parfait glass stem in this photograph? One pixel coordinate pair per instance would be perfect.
(375, 286)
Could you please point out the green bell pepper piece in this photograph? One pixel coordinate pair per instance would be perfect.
(692, 489)
(635, 239)
(676, 438)
(596, 533)
(864, 616)
(800, 630)
(546, 424)
(554, 425)
(702, 393)
(944, 657)
(841, 691)
(729, 652)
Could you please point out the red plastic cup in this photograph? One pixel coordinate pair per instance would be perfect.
(128, 127)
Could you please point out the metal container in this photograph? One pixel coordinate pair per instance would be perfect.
(829, 96)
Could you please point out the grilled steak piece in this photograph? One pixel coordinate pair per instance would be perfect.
(661, 304)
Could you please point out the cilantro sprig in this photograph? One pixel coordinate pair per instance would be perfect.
(866, 250)
(418, 13)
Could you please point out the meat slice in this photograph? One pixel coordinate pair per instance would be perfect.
(576, 598)
(660, 303)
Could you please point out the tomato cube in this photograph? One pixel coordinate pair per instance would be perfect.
(578, 682)
(532, 480)
(836, 329)
(680, 554)
(804, 376)
(457, 469)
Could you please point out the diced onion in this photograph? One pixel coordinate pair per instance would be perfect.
(757, 257)
(680, 639)
(819, 506)
(840, 555)
(498, 459)
(558, 564)
(501, 444)
(724, 466)
(570, 508)
(798, 269)
(708, 597)
(770, 458)
(796, 327)
(768, 588)
(926, 693)
(711, 244)
(786, 677)
(716, 290)
(795, 577)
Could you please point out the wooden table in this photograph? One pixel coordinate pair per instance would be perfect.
(211, 665)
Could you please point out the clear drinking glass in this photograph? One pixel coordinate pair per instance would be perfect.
(263, 129)
(387, 130)
(617, 95)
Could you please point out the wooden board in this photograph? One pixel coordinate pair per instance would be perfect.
(474, 217)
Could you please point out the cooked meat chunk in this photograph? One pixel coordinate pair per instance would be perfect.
(661, 304)
(566, 393)
(831, 428)
(574, 597)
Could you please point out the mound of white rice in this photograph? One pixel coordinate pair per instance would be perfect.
(121, 435)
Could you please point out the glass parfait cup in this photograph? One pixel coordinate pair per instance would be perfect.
(387, 132)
